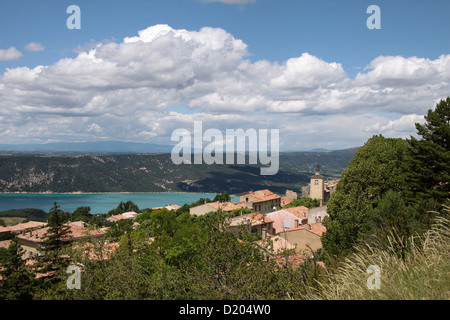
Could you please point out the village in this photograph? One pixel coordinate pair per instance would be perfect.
(285, 233)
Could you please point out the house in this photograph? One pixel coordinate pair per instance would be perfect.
(216, 206)
(275, 245)
(288, 198)
(283, 220)
(316, 215)
(253, 223)
(22, 227)
(32, 240)
(285, 201)
(171, 207)
(97, 251)
(131, 215)
(262, 201)
(318, 188)
(5, 244)
(305, 238)
(301, 211)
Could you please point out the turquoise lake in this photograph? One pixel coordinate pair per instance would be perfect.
(99, 202)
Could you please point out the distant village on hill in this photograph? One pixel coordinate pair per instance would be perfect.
(278, 223)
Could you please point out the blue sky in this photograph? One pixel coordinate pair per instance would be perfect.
(274, 30)
(355, 83)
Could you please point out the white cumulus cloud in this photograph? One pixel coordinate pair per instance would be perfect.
(34, 47)
(10, 54)
(125, 90)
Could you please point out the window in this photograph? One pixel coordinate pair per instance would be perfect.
(286, 224)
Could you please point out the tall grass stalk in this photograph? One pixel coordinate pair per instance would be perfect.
(421, 272)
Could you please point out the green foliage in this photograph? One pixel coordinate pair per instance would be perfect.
(126, 173)
(223, 197)
(52, 259)
(239, 212)
(82, 214)
(144, 216)
(118, 229)
(125, 207)
(306, 202)
(421, 273)
(429, 173)
(28, 214)
(16, 279)
(376, 168)
(392, 186)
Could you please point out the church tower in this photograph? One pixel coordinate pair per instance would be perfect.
(317, 186)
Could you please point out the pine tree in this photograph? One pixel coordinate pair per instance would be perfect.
(430, 156)
(53, 259)
(16, 278)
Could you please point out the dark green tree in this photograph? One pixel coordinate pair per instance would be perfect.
(377, 167)
(307, 202)
(119, 228)
(57, 235)
(81, 214)
(222, 197)
(125, 207)
(429, 176)
(16, 279)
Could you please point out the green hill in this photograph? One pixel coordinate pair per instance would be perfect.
(157, 173)
(28, 214)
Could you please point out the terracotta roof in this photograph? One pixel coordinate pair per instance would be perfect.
(22, 226)
(301, 211)
(251, 218)
(277, 244)
(286, 200)
(119, 217)
(266, 198)
(227, 206)
(316, 228)
(258, 217)
(5, 244)
(102, 251)
(293, 261)
(77, 232)
(262, 195)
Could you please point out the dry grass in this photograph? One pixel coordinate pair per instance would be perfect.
(422, 274)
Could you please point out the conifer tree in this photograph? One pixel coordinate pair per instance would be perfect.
(53, 258)
(429, 176)
(16, 278)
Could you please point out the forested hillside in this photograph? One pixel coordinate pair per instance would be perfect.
(157, 173)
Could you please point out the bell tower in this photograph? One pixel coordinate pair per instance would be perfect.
(317, 188)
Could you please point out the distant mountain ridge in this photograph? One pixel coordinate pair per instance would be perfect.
(100, 147)
(88, 147)
(157, 173)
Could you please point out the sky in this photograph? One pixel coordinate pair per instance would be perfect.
(138, 70)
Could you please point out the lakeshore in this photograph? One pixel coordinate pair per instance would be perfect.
(101, 202)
